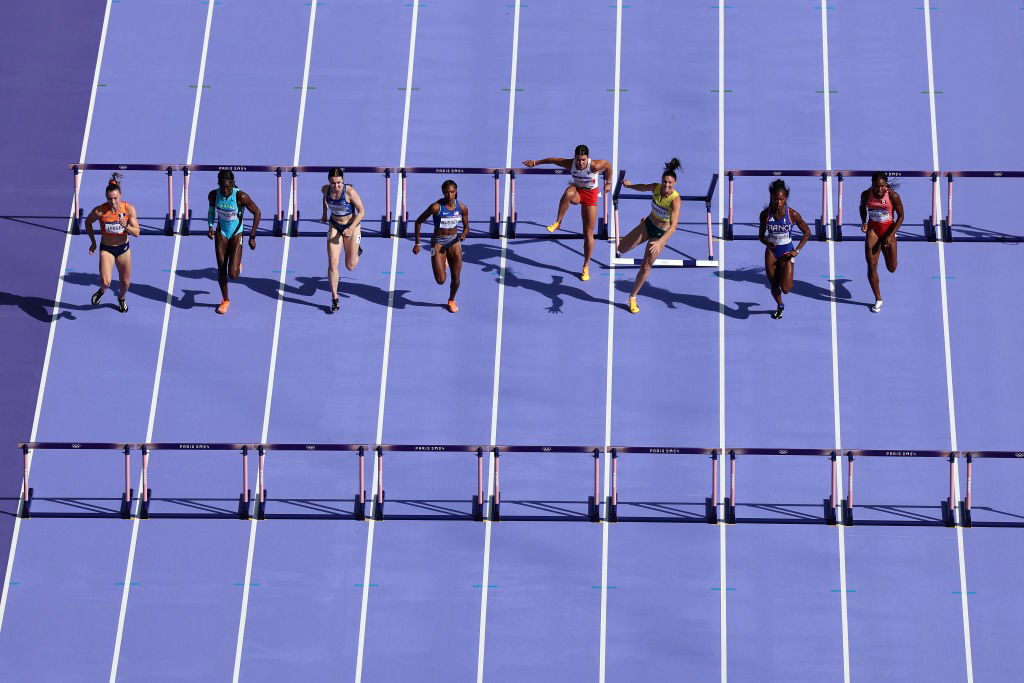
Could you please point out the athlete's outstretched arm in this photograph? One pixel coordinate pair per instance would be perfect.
(640, 187)
(564, 163)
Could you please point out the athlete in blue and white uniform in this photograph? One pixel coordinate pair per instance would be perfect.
(446, 242)
(344, 209)
(775, 232)
(227, 205)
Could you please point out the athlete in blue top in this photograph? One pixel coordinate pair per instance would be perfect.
(446, 242)
(775, 232)
(227, 204)
(344, 209)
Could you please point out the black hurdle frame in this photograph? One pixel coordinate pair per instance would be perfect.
(593, 501)
(28, 448)
(934, 228)
(947, 222)
(600, 229)
(494, 228)
(296, 215)
(77, 213)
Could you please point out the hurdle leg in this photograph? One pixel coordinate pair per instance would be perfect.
(831, 516)
(279, 214)
(593, 508)
(76, 209)
(186, 213)
(496, 498)
(513, 215)
(378, 508)
(838, 235)
(243, 498)
(948, 505)
(293, 230)
(261, 486)
(948, 235)
(169, 218)
(26, 492)
(711, 240)
(385, 225)
(145, 493)
(727, 226)
(711, 502)
(478, 507)
(730, 502)
(965, 505)
(848, 502)
(359, 509)
(612, 506)
(496, 220)
(126, 497)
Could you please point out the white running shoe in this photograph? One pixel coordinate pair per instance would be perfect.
(877, 306)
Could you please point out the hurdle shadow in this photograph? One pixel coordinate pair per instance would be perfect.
(965, 232)
(72, 507)
(755, 275)
(995, 518)
(349, 288)
(740, 310)
(187, 300)
(178, 507)
(662, 511)
(325, 509)
(521, 510)
(428, 509)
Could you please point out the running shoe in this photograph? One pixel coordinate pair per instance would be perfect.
(96, 297)
(452, 306)
(633, 308)
(223, 308)
(334, 305)
(122, 305)
(554, 226)
(585, 275)
(778, 312)
(877, 306)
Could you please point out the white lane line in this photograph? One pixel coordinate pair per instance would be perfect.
(968, 656)
(158, 374)
(603, 649)
(247, 581)
(55, 314)
(826, 98)
(360, 647)
(722, 592)
(485, 580)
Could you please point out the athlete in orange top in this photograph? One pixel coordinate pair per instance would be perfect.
(881, 215)
(117, 220)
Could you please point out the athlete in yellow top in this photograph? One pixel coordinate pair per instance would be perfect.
(656, 228)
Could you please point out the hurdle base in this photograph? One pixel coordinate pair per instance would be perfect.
(495, 510)
(169, 219)
(946, 230)
(669, 262)
(76, 223)
(948, 518)
(831, 516)
(478, 509)
(385, 227)
(278, 226)
(593, 509)
(512, 220)
(144, 504)
(261, 506)
(378, 507)
(820, 233)
(929, 230)
(612, 508)
(126, 505)
(710, 511)
(243, 504)
(359, 507)
(601, 232)
(26, 504)
(847, 513)
(837, 230)
(730, 511)
(965, 515)
(186, 224)
(726, 230)
(403, 224)
(494, 228)
(293, 224)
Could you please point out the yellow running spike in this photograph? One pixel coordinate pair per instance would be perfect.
(554, 226)
(633, 308)
(585, 275)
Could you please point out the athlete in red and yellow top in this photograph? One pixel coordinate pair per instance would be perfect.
(881, 215)
(583, 191)
(117, 220)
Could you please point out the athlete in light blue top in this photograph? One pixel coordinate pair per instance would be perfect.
(344, 209)
(446, 242)
(227, 204)
(775, 232)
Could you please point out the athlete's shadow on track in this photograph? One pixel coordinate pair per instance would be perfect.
(350, 288)
(556, 291)
(186, 301)
(755, 274)
(39, 308)
(741, 311)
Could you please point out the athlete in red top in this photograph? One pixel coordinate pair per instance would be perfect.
(583, 191)
(881, 215)
(117, 220)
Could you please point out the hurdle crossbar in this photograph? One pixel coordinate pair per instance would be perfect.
(947, 223)
(965, 505)
(601, 229)
(933, 225)
(186, 219)
(706, 198)
(28, 493)
(821, 227)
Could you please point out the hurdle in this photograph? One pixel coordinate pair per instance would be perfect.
(947, 505)
(965, 504)
(296, 215)
(600, 230)
(821, 227)
(931, 225)
(706, 198)
(186, 219)
(829, 504)
(78, 215)
(403, 220)
(593, 505)
(612, 500)
(947, 222)
(28, 493)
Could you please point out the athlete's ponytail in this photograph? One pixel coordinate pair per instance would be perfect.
(881, 175)
(670, 168)
(778, 184)
(114, 184)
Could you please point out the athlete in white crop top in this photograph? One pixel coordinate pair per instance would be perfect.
(583, 191)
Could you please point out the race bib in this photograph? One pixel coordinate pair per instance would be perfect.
(113, 228)
(879, 216)
(227, 215)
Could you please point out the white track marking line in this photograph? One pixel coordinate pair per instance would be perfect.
(968, 657)
(826, 98)
(497, 351)
(158, 374)
(609, 362)
(54, 315)
(723, 630)
(273, 350)
(395, 240)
